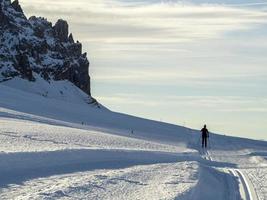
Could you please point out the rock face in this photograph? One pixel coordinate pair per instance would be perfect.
(61, 30)
(31, 47)
(16, 6)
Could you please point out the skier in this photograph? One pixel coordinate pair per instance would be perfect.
(205, 135)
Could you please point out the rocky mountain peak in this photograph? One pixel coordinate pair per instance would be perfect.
(61, 30)
(34, 47)
(16, 6)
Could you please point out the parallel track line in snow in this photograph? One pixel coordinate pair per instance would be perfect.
(247, 190)
(252, 187)
(209, 156)
(244, 188)
(234, 194)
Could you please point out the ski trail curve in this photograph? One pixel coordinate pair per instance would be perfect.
(246, 189)
(249, 192)
(231, 185)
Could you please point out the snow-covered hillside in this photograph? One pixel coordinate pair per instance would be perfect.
(54, 145)
(58, 142)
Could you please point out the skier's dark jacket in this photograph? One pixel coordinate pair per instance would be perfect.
(205, 132)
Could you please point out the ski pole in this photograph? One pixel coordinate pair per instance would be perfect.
(198, 142)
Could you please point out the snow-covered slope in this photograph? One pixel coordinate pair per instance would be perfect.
(43, 102)
(54, 145)
(57, 142)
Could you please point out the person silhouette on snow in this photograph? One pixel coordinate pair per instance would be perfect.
(205, 135)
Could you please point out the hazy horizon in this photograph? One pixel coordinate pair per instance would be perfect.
(182, 62)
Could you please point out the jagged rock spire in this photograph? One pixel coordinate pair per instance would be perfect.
(71, 40)
(61, 29)
(15, 4)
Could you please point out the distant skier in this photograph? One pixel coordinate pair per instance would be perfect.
(205, 135)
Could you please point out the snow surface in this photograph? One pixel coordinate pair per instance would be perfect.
(55, 145)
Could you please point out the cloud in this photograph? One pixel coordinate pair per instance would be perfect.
(121, 22)
(179, 76)
(225, 104)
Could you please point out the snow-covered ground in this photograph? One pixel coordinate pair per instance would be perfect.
(54, 144)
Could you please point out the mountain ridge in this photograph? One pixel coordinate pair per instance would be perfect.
(35, 46)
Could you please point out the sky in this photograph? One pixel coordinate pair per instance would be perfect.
(184, 62)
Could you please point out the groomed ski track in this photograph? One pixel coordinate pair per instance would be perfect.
(246, 190)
